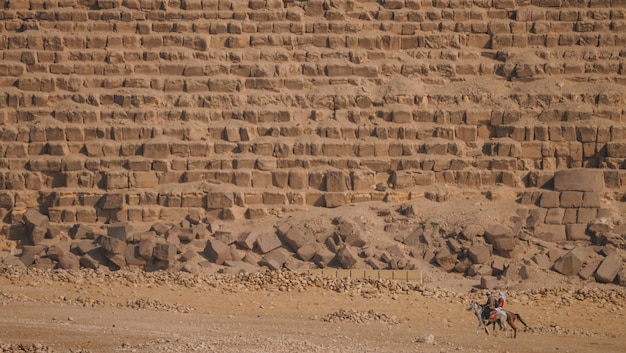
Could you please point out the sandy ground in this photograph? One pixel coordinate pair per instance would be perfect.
(103, 313)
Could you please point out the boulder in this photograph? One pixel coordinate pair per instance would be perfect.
(479, 270)
(69, 261)
(58, 250)
(446, 260)
(609, 268)
(472, 231)
(306, 252)
(414, 238)
(479, 254)
(296, 237)
(346, 227)
(502, 239)
(274, 259)
(30, 253)
(247, 240)
(216, 251)
(570, 263)
(146, 248)
(488, 282)
(34, 219)
(588, 269)
(113, 245)
(347, 256)
(267, 242)
(89, 262)
(323, 257)
(225, 237)
(132, 255)
(119, 231)
(81, 231)
(542, 260)
(160, 228)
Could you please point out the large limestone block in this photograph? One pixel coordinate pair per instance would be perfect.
(58, 250)
(306, 252)
(297, 237)
(33, 218)
(446, 260)
(323, 257)
(551, 232)
(267, 242)
(335, 199)
(113, 245)
(217, 252)
(609, 268)
(501, 237)
(247, 240)
(363, 180)
(69, 261)
(579, 180)
(30, 253)
(570, 263)
(219, 200)
(119, 231)
(165, 252)
(337, 181)
(347, 256)
(479, 254)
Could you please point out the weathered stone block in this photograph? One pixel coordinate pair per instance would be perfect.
(588, 269)
(69, 261)
(578, 180)
(577, 231)
(554, 216)
(219, 199)
(551, 232)
(347, 256)
(570, 263)
(33, 218)
(501, 237)
(132, 255)
(165, 252)
(58, 250)
(30, 253)
(218, 252)
(542, 260)
(479, 254)
(247, 240)
(119, 231)
(335, 199)
(113, 245)
(81, 231)
(146, 248)
(571, 199)
(307, 251)
(549, 199)
(586, 215)
(267, 242)
(446, 260)
(297, 237)
(609, 268)
(591, 199)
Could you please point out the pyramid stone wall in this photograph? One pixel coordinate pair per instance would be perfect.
(140, 110)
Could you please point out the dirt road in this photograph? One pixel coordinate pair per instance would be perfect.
(131, 312)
